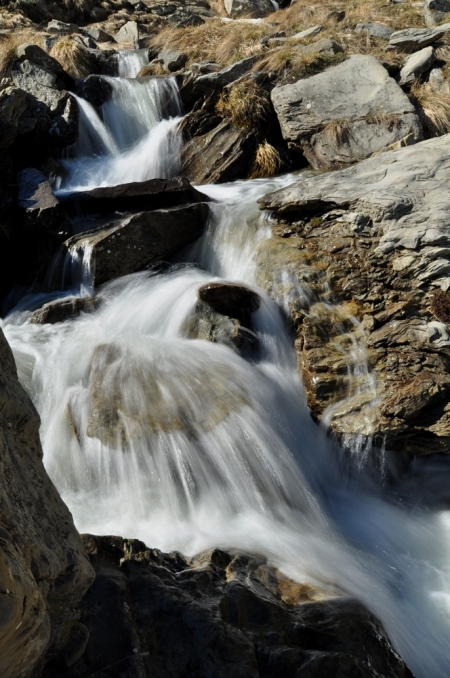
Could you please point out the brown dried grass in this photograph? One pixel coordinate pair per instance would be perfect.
(245, 104)
(288, 61)
(73, 57)
(267, 162)
(433, 107)
(220, 41)
(8, 48)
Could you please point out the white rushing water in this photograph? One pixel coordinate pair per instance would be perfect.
(186, 445)
(136, 137)
(130, 61)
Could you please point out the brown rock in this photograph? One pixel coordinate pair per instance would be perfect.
(231, 299)
(43, 569)
(63, 309)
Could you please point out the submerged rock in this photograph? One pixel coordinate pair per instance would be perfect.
(132, 398)
(44, 571)
(64, 309)
(365, 112)
(219, 614)
(132, 243)
(231, 299)
(374, 240)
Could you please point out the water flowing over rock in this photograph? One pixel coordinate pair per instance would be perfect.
(379, 235)
(232, 613)
(366, 112)
(146, 195)
(43, 569)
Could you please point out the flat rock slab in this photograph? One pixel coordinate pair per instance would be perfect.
(413, 39)
(248, 8)
(132, 243)
(137, 196)
(377, 235)
(346, 113)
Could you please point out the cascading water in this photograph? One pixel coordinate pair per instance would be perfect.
(186, 445)
(135, 139)
(130, 62)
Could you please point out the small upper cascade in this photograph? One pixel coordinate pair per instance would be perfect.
(130, 62)
(136, 139)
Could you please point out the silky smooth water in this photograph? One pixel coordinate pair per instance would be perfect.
(186, 445)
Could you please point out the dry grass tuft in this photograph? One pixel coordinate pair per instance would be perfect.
(267, 162)
(73, 57)
(288, 61)
(245, 104)
(433, 107)
(215, 40)
(440, 306)
(9, 45)
(337, 131)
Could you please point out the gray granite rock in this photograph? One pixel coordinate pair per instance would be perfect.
(413, 39)
(375, 30)
(346, 113)
(417, 64)
(128, 34)
(436, 11)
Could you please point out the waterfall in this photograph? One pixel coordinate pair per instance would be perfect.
(136, 139)
(186, 444)
(130, 61)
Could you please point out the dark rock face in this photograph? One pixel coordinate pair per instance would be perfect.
(63, 309)
(131, 244)
(217, 615)
(53, 109)
(222, 154)
(231, 299)
(42, 561)
(208, 325)
(146, 195)
(95, 89)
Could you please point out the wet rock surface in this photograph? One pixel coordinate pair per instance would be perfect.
(132, 243)
(64, 309)
(232, 299)
(378, 234)
(219, 613)
(43, 568)
(146, 195)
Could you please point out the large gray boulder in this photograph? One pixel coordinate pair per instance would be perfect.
(13, 114)
(346, 113)
(44, 571)
(132, 243)
(377, 236)
(53, 109)
(128, 34)
(436, 11)
(250, 9)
